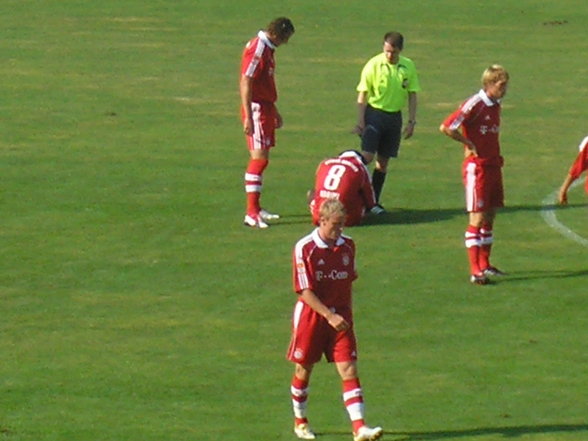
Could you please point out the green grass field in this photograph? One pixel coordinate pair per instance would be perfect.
(136, 307)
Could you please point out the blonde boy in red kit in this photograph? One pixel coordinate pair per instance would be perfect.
(476, 125)
(322, 323)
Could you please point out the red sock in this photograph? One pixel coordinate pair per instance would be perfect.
(353, 400)
(299, 392)
(472, 243)
(486, 239)
(253, 184)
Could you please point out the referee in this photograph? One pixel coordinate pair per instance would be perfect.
(387, 82)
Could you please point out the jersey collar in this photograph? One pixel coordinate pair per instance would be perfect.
(321, 243)
(263, 37)
(487, 100)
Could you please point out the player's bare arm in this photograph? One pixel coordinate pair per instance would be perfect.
(361, 106)
(246, 90)
(412, 108)
(562, 197)
(470, 147)
(334, 319)
(279, 120)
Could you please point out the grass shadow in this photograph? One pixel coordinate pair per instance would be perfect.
(537, 275)
(506, 432)
(408, 216)
(413, 216)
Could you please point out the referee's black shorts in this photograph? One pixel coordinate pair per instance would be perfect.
(382, 132)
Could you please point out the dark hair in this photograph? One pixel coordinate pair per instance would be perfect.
(395, 39)
(281, 27)
(357, 153)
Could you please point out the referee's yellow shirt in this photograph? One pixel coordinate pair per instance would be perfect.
(387, 85)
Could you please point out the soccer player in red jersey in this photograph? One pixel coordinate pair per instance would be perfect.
(476, 124)
(259, 113)
(345, 178)
(322, 323)
(578, 167)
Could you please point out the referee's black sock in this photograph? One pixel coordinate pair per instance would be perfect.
(378, 179)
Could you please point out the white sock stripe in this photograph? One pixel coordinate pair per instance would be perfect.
(299, 409)
(253, 188)
(298, 392)
(252, 177)
(473, 243)
(486, 240)
(355, 411)
(352, 394)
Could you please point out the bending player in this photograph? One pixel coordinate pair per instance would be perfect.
(580, 164)
(345, 178)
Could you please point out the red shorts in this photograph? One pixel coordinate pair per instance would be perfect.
(312, 336)
(265, 118)
(483, 185)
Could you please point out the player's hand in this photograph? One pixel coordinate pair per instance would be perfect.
(338, 322)
(357, 130)
(279, 121)
(562, 198)
(470, 150)
(248, 127)
(408, 131)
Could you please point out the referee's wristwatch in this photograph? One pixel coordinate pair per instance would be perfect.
(412, 121)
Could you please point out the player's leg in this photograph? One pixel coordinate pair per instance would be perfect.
(473, 244)
(494, 195)
(259, 144)
(486, 240)
(371, 138)
(299, 392)
(388, 146)
(344, 354)
(379, 176)
(353, 401)
(258, 161)
(308, 339)
(474, 203)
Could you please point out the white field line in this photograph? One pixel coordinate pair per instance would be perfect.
(548, 213)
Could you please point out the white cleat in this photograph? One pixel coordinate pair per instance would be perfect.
(266, 215)
(366, 433)
(254, 221)
(303, 431)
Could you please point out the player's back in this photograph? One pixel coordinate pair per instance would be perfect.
(338, 178)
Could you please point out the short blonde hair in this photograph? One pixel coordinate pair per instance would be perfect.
(330, 208)
(494, 74)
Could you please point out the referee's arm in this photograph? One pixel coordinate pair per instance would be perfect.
(362, 98)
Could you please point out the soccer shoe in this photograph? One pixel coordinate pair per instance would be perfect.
(254, 221)
(493, 271)
(303, 431)
(377, 209)
(266, 215)
(479, 279)
(366, 433)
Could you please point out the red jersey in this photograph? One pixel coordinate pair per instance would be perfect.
(328, 272)
(479, 118)
(258, 63)
(347, 179)
(581, 162)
